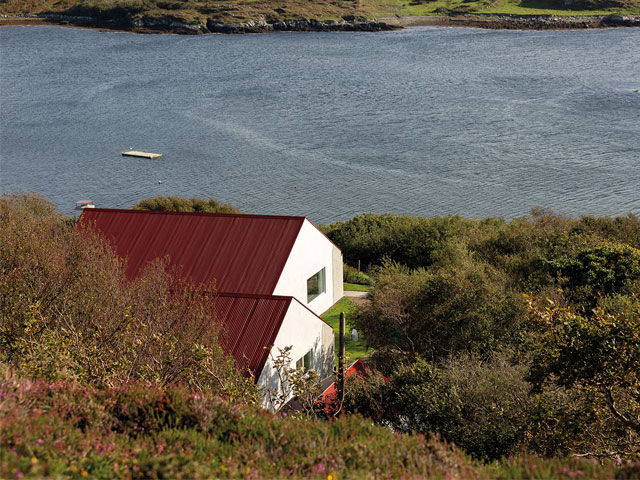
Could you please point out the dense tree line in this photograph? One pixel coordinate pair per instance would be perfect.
(502, 335)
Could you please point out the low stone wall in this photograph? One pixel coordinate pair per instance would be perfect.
(520, 22)
(542, 22)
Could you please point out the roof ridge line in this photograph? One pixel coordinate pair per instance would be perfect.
(305, 306)
(269, 297)
(201, 214)
(254, 295)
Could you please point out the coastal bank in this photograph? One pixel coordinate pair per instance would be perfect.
(517, 22)
(175, 25)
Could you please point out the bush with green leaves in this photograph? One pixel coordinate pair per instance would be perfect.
(600, 271)
(180, 204)
(596, 353)
(459, 306)
(481, 404)
(411, 241)
(518, 247)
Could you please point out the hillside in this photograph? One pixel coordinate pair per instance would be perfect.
(518, 342)
(64, 430)
(197, 16)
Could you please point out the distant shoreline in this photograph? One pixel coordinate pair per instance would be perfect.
(495, 22)
(517, 22)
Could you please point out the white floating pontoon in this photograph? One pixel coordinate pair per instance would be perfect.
(134, 153)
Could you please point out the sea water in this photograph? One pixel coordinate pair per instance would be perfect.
(428, 121)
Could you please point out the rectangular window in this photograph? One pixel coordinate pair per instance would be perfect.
(305, 362)
(316, 285)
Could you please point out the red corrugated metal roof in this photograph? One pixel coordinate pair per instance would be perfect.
(251, 324)
(244, 253)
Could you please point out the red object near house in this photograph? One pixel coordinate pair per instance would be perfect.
(330, 394)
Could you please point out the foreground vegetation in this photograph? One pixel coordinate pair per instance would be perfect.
(519, 342)
(503, 335)
(140, 431)
(62, 429)
(197, 12)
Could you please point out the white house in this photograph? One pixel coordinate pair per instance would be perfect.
(279, 272)
(313, 271)
(261, 326)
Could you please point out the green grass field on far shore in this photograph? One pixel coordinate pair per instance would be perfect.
(353, 349)
(235, 11)
(401, 8)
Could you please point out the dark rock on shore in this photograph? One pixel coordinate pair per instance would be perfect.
(167, 24)
(621, 20)
(175, 25)
(302, 25)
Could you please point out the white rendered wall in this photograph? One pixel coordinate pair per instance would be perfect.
(311, 252)
(304, 332)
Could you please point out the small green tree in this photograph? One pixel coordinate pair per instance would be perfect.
(458, 305)
(607, 269)
(598, 354)
(180, 204)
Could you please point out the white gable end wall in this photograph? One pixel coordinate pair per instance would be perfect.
(304, 332)
(312, 252)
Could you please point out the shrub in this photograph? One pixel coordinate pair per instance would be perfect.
(365, 396)
(410, 241)
(604, 270)
(457, 307)
(68, 312)
(179, 204)
(618, 230)
(146, 431)
(598, 354)
(490, 403)
(481, 405)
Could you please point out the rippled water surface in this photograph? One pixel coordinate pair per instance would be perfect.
(421, 121)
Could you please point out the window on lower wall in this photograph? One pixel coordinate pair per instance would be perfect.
(316, 285)
(305, 362)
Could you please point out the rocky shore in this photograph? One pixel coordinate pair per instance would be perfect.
(173, 25)
(520, 22)
(303, 25)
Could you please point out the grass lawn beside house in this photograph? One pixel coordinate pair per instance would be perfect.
(356, 287)
(354, 350)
